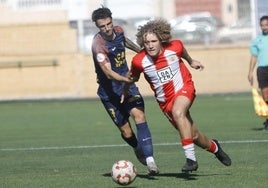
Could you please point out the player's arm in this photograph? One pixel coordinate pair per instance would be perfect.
(131, 45)
(252, 64)
(126, 88)
(193, 63)
(133, 79)
(105, 66)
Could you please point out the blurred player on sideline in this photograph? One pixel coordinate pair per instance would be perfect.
(160, 62)
(108, 49)
(259, 56)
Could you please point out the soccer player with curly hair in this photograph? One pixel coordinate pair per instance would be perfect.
(161, 62)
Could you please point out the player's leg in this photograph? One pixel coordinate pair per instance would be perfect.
(262, 77)
(208, 144)
(128, 135)
(264, 92)
(145, 140)
(120, 118)
(144, 136)
(179, 113)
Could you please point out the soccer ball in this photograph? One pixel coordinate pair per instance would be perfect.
(123, 172)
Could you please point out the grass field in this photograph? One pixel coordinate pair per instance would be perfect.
(73, 144)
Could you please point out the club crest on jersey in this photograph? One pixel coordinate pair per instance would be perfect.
(165, 74)
(172, 58)
(120, 59)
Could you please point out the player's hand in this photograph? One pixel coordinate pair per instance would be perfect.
(250, 79)
(197, 65)
(122, 98)
(124, 93)
(129, 78)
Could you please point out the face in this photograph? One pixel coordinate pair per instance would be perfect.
(152, 44)
(106, 26)
(264, 26)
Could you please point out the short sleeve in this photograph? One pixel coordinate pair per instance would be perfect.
(254, 50)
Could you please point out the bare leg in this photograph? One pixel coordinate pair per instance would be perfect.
(179, 112)
(264, 92)
(183, 125)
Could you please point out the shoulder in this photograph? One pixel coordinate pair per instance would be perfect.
(257, 39)
(138, 59)
(137, 62)
(139, 56)
(97, 39)
(98, 43)
(118, 29)
(175, 44)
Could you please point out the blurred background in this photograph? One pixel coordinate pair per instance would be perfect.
(45, 48)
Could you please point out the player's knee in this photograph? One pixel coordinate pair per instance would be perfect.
(139, 117)
(178, 115)
(126, 131)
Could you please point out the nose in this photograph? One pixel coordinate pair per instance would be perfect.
(150, 45)
(106, 27)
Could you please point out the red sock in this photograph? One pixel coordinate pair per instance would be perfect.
(187, 141)
(213, 147)
(188, 147)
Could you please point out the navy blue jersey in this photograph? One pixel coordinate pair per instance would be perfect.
(114, 52)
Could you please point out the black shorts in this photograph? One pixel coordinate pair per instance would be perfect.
(120, 112)
(262, 77)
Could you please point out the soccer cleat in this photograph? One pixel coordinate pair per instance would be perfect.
(152, 169)
(222, 156)
(140, 156)
(189, 166)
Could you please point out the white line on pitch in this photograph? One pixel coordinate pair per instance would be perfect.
(118, 145)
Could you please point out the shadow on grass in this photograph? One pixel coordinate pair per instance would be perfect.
(143, 176)
(189, 176)
(185, 176)
(258, 129)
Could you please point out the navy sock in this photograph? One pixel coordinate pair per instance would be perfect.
(132, 141)
(145, 139)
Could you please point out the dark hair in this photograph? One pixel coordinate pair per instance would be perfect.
(265, 17)
(101, 13)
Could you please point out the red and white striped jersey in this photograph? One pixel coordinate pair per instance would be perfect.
(166, 74)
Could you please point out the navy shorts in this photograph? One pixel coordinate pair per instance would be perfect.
(262, 77)
(120, 112)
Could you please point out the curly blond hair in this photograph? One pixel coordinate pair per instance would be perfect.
(160, 27)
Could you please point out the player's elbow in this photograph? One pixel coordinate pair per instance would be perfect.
(109, 77)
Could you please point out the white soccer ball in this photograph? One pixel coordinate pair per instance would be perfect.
(123, 172)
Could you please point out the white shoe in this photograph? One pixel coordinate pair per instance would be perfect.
(152, 169)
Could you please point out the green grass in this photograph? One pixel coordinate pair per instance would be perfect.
(74, 144)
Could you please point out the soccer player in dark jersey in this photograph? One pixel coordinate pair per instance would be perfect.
(108, 50)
